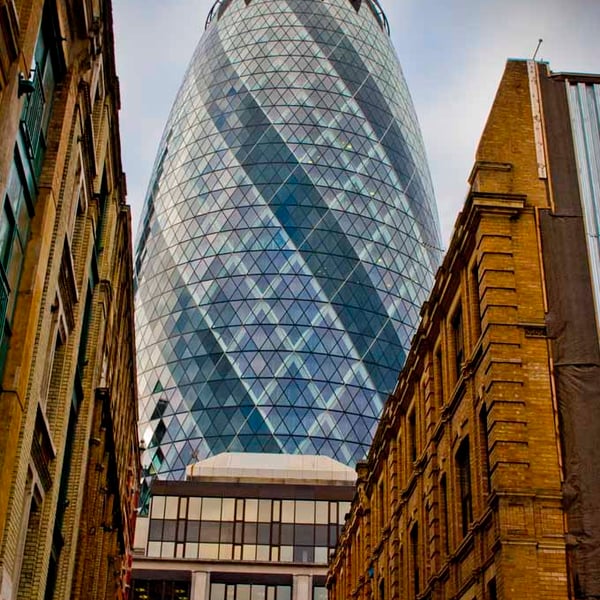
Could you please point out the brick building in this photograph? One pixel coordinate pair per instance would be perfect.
(68, 439)
(482, 478)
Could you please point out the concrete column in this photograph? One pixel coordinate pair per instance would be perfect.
(302, 587)
(200, 585)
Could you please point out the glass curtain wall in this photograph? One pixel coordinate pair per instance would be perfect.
(288, 240)
(250, 529)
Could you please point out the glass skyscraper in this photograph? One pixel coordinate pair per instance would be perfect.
(288, 239)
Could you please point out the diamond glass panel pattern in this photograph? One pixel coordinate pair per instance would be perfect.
(289, 237)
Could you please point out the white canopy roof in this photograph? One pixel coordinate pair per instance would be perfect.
(270, 468)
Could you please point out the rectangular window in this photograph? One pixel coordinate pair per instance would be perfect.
(412, 435)
(463, 463)
(381, 506)
(485, 448)
(414, 551)
(264, 511)
(475, 301)
(445, 528)
(228, 509)
(211, 509)
(459, 341)
(194, 508)
(492, 593)
(251, 512)
(171, 507)
(438, 377)
(319, 593)
(287, 511)
(7, 232)
(322, 513)
(102, 198)
(305, 511)
(192, 532)
(158, 507)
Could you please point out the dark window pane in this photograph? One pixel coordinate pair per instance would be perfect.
(249, 533)
(155, 533)
(275, 534)
(6, 233)
(227, 533)
(181, 531)
(305, 535)
(169, 530)
(414, 550)
(321, 535)
(463, 461)
(239, 530)
(459, 342)
(333, 535)
(287, 535)
(193, 529)
(264, 533)
(209, 531)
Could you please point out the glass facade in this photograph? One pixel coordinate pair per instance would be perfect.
(244, 529)
(288, 240)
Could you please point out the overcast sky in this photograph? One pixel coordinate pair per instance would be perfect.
(452, 52)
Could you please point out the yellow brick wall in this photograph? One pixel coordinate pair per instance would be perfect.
(493, 272)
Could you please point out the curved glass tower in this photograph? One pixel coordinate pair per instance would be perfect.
(288, 239)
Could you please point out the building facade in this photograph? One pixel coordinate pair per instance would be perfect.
(243, 527)
(68, 435)
(480, 482)
(288, 239)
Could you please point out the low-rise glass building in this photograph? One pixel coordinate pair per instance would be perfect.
(243, 527)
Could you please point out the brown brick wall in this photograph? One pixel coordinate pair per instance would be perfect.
(70, 492)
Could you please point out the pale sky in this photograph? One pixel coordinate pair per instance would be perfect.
(452, 53)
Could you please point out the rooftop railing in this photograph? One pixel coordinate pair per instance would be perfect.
(220, 6)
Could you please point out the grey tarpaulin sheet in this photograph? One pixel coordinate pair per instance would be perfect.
(576, 354)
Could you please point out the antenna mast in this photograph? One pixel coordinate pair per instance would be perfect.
(538, 48)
